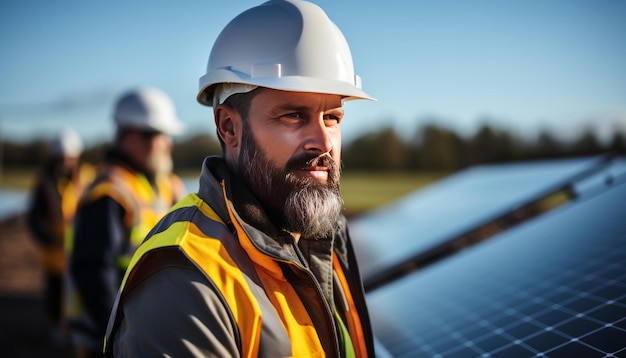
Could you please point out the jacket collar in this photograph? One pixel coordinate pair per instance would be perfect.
(265, 236)
(315, 255)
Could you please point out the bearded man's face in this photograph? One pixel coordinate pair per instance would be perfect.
(310, 207)
(289, 158)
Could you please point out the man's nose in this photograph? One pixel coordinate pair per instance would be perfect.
(318, 137)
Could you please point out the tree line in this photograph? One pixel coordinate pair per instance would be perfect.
(436, 147)
(432, 147)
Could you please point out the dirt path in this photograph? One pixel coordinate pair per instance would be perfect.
(20, 271)
(25, 330)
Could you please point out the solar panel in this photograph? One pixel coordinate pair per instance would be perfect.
(615, 171)
(554, 286)
(424, 222)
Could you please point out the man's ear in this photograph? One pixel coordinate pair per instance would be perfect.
(228, 124)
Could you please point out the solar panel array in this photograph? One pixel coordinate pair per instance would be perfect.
(554, 286)
(429, 219)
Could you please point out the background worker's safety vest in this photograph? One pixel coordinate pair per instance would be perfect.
(62, 197)
(143, 207)
(262, 301)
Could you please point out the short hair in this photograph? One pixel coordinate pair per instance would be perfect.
(240, 102)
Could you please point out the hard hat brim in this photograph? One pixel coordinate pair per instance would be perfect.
(288, 83)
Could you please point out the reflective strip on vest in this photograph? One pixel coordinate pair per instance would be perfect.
(143, 209)
(195, 228)
(353, 321)
(143, 205)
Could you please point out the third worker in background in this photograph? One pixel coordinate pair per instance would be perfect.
(60, 182)
(258, 262)
(134, 187)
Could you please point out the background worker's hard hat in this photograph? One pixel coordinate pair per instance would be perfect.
(66, 143)
(147, 109)
(288, 45)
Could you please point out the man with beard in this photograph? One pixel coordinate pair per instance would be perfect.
(258, 262)
(133, 189)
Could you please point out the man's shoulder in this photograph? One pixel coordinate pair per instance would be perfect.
(114, 181)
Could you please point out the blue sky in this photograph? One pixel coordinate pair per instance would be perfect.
(522, 65)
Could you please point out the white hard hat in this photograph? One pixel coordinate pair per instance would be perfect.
(288, 45)
(149, 109)
(67, 144)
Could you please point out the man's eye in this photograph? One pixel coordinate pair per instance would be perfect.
(331, 120)
(294, 115)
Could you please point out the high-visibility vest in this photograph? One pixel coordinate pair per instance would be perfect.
(249, 281)
(143, 207)
(62, 198)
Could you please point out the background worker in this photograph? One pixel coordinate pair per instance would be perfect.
(259, 262)
(134, 188)
(59, 184)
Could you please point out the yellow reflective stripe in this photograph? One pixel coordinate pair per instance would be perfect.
(139, 232)
(293, 315)
(144, 208)
(123, 261)
(69, 239)
(210, 255)
(222, 270)
(162, 239)
(69, 199)
(206, 210)
(142, 187)
(256, 256)
(227, 276)
(290, 308)
(111, 189)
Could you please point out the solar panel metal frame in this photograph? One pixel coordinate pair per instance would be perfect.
(487, 227)
(539, 297)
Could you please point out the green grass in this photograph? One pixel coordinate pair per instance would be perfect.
(364, 191)
(17, 178)
(361, 191)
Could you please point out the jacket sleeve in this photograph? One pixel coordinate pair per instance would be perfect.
(99, 238)
(39, 216)
(175, 312)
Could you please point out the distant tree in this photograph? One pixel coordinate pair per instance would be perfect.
(437, 148)
(433, 147)
(190, 153)
(23, 154)
(586, 144)
(490, 145)
(546, 146)
(393, 151)
(381, 150)
(618, 144)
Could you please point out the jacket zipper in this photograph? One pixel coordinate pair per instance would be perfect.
(303, 266)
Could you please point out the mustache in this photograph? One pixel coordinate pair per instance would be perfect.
(310, 160)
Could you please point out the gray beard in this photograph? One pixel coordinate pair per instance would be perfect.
(313, 211)
(308, 207)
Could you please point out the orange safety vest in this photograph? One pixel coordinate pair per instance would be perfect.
(143, 205)
(63, 196)
(248, 280)
(143, 208)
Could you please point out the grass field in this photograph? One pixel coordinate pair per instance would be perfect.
(17, 178)
(362, 191)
